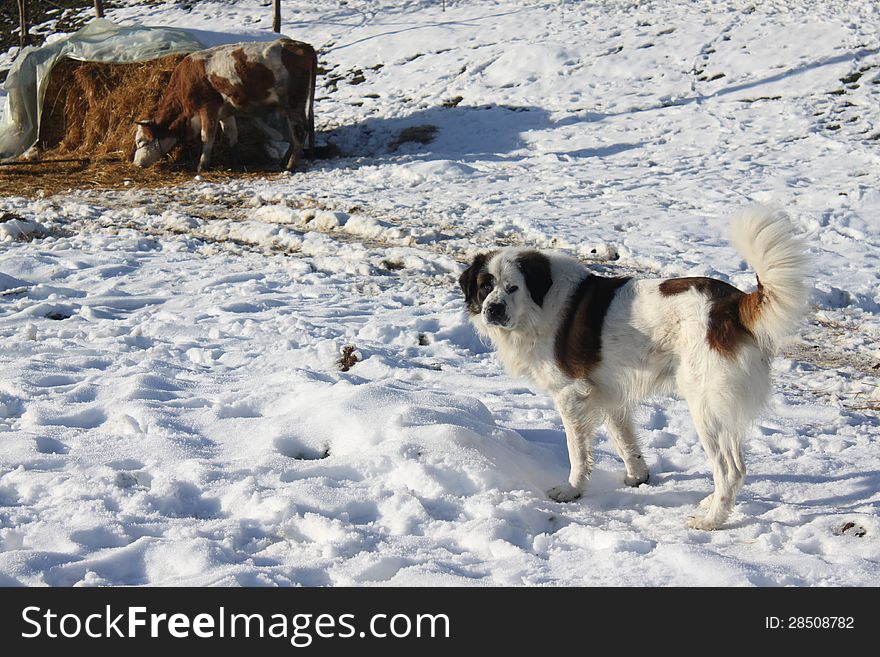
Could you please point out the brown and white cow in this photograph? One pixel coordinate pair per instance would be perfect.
(211, 87)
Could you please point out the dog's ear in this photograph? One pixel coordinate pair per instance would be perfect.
(468, 279)
(535, 267)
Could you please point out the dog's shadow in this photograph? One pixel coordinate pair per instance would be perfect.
(606, 489)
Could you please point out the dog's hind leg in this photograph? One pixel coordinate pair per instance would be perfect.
(623, 435)
(580, 420)
(721, 434)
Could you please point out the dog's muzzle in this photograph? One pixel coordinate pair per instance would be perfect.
(496, 313)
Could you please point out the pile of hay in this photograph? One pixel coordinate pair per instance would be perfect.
(90, 108)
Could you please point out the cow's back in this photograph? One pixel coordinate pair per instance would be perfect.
(254, 76)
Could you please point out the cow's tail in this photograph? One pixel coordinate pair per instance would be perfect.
(312, 85)
(765, 239)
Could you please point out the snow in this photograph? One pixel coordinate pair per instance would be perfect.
(173, 411)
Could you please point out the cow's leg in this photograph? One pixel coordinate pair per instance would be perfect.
(230, 129)
(209, 133)
(296, 126)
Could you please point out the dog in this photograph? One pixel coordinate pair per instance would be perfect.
(599, 345)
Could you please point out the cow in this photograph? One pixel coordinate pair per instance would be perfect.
(211, 87)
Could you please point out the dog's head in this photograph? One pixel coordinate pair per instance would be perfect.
(502, 286)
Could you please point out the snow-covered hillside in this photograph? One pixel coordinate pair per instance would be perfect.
(172, 405)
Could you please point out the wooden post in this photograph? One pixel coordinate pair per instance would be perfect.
(23, 36)
(276, 19)
(99, 8)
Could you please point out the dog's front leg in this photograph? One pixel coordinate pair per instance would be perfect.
(580, 422)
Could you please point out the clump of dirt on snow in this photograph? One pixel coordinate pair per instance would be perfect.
(349, 356)
(851, 529)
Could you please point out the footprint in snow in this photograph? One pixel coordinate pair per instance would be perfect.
(55, 381)
(241, 409)
(292, 448)
(88, 418)
(134, 480)
(47, 445)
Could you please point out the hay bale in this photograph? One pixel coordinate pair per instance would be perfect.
(90, 107)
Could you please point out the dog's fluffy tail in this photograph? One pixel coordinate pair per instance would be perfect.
(766, 240)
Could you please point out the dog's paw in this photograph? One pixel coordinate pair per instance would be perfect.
(706, 502)
(703, 522)
(564, 493)
(636, 480)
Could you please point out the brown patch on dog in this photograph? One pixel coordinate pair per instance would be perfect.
(750, 307)
(535, 267)
(679, 285)
(485, 279)
(732, 314)
(579, 337)
(485, 285)
(472, 279)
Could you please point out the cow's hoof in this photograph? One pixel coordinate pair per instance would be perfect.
(564, 493)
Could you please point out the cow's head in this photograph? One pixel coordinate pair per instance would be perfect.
(151, 143)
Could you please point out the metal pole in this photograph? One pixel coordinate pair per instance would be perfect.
(276, 19)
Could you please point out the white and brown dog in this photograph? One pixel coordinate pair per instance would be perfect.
(600, 345)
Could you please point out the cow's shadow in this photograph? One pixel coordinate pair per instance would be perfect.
(461, 133)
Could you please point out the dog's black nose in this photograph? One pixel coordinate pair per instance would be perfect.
(496, 310)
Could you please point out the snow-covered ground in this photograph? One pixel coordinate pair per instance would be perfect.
(172, 408)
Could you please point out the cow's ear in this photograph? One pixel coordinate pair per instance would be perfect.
(535, 267)
(468, 279)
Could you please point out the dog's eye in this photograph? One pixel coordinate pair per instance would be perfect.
(512, 289)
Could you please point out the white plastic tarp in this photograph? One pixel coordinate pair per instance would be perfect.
(100, 41)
